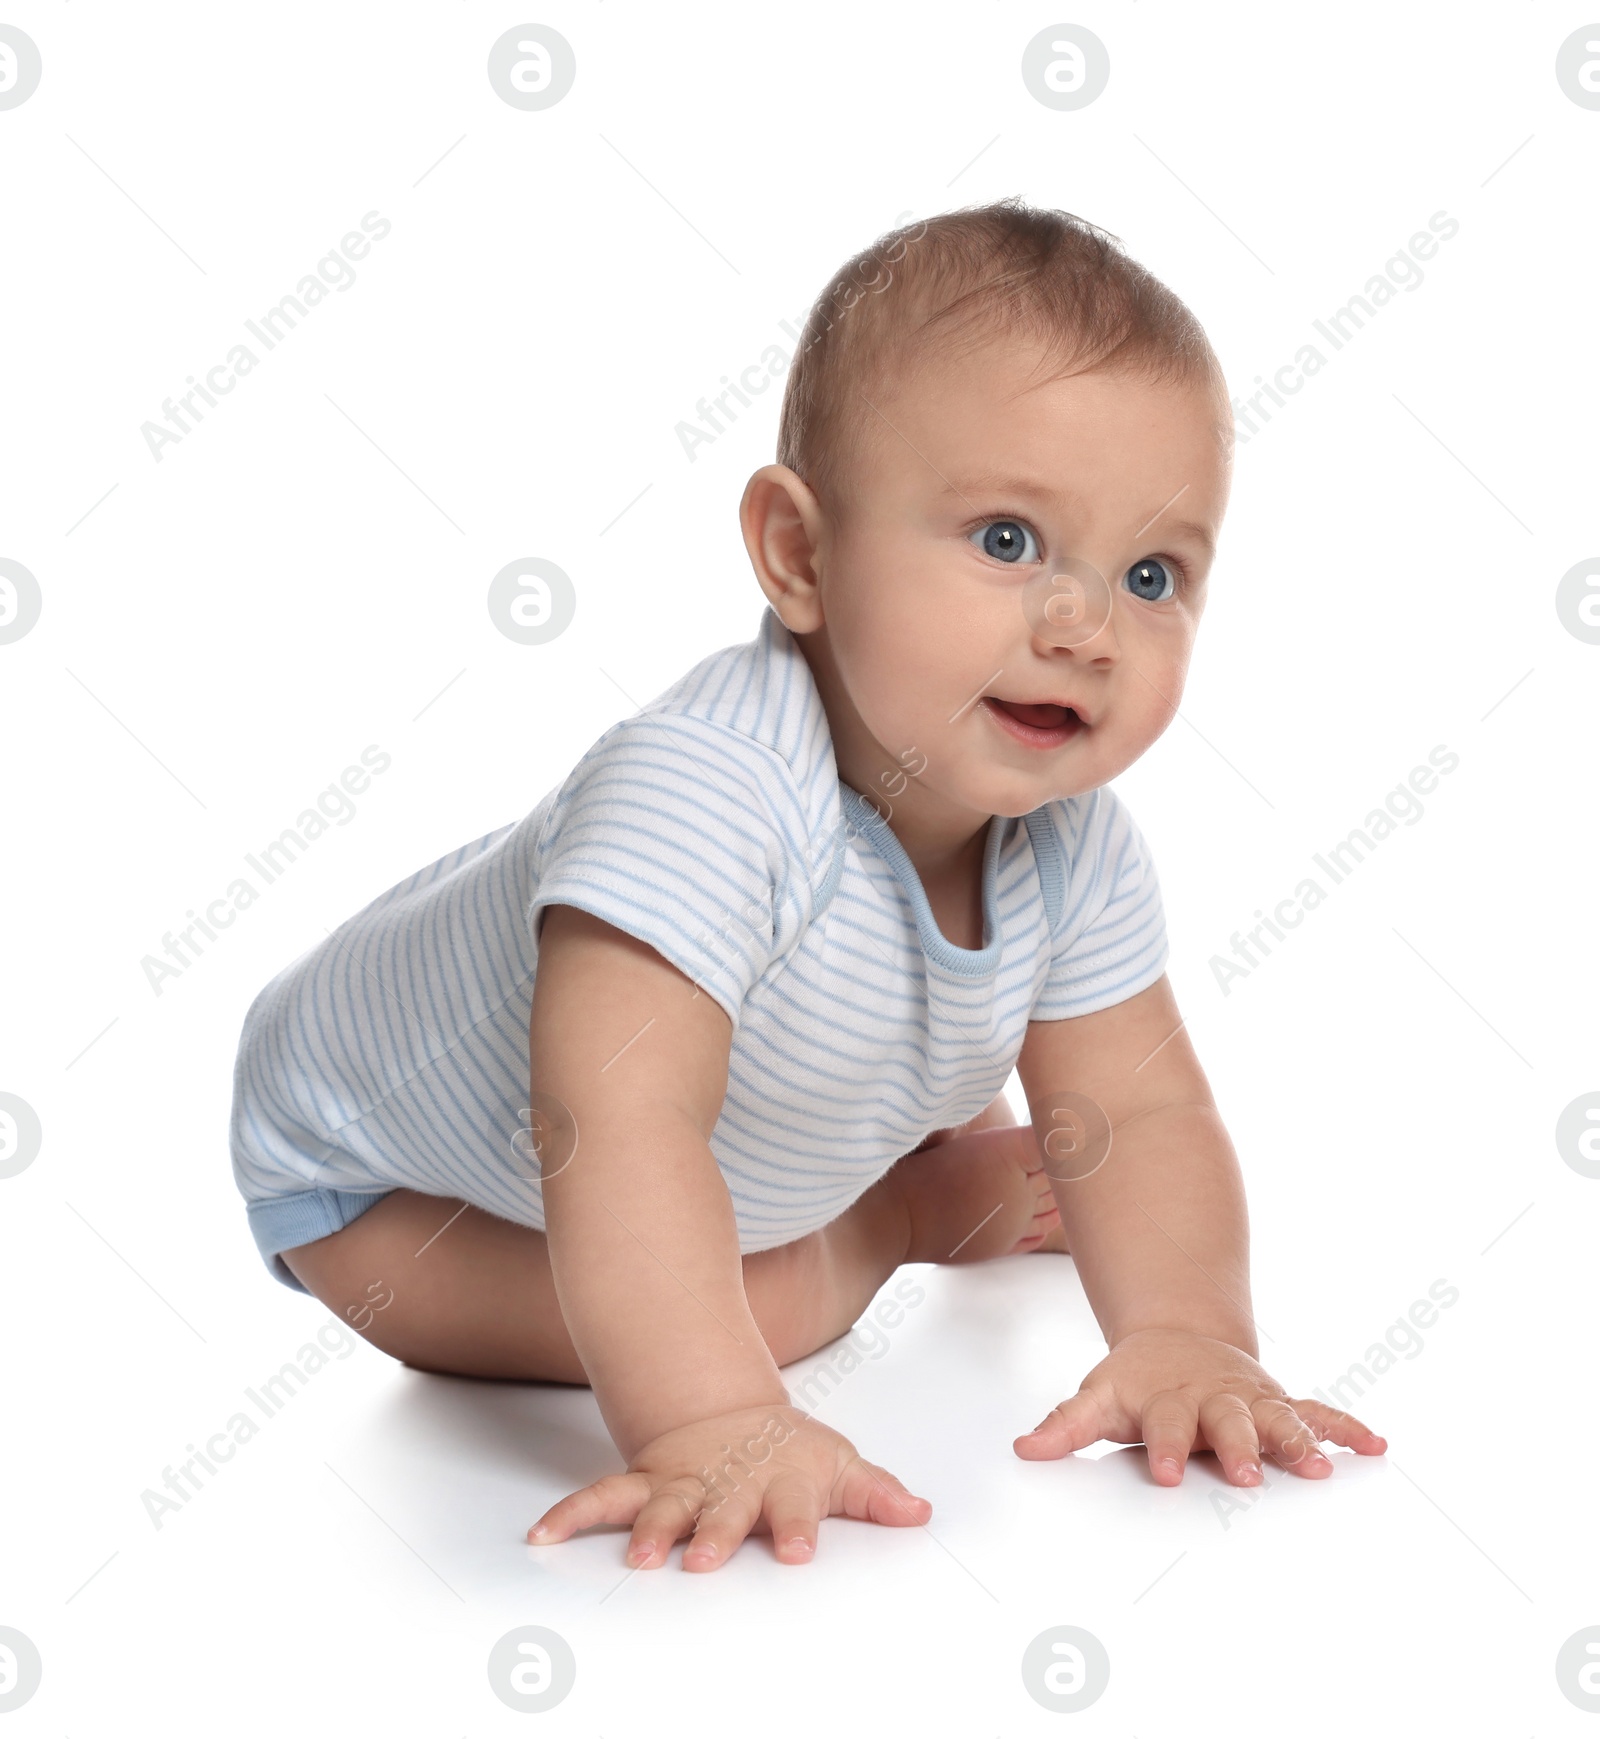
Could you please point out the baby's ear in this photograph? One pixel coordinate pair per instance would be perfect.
(782, 524)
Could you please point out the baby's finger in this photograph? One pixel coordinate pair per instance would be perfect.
(1287, 1438)
(1168, 1426)
(1231, 1431)
(1075, 1424)
(793, 1507)
(1345, 1429)
(669, 1514)
(725, 1519)
(871, 1493)
(616, 1498)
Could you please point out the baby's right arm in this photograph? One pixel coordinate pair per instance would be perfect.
(644, 1250)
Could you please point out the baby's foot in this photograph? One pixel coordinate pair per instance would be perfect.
(1047, 1232)
(979, 1195)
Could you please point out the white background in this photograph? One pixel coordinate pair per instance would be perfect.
(305, 574)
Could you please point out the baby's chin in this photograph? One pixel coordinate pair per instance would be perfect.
(995, 789)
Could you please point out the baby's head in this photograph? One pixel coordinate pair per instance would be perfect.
(1004, 456)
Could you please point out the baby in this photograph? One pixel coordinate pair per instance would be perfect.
(656, 1088)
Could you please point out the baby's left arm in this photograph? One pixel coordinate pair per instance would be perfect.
(1153, 1207)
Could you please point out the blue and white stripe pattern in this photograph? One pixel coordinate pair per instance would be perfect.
(712, 825)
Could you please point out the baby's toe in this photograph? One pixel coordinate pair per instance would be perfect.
(1055, 1240)
(1046, 1231)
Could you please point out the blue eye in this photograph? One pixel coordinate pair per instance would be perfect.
(1006, 540)
(1153, 580)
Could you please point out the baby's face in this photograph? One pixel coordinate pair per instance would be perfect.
(1011, 552)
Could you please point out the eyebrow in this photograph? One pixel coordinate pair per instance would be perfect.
(999, 483)
(1195, 534)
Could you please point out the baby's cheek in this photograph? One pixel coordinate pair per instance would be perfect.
(1146, 687)
(1128, 731)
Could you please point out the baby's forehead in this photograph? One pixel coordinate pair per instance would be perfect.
(959, 437)
(1025, 373)
(992, 406)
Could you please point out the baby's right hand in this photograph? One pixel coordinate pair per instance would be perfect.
(718, 1478)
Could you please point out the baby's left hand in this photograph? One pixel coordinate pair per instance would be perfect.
(1176, 1392)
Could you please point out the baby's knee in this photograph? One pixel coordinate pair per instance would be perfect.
(355, 1272)
(786, 1289)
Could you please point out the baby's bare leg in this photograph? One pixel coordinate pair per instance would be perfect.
(473, 1295)
(449, 1288)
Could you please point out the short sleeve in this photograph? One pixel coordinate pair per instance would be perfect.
(1110, 940)
(688, 835)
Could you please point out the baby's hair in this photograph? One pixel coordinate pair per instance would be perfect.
(953, 283)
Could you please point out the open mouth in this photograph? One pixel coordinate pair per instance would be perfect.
(1039, 724)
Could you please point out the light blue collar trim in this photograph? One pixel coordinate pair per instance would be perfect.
(970, 962)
